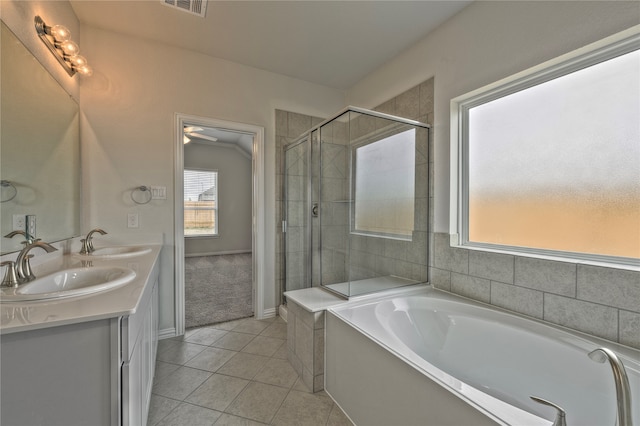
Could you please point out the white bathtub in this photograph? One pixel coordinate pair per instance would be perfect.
(434, 358)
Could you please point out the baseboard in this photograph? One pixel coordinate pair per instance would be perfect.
(269, 313)
(217, 253)
(283, 311)
(166, 333)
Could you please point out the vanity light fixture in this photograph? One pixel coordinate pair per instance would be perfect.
(58, 40)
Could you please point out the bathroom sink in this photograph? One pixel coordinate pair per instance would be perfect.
(68, 283)
(118, 252)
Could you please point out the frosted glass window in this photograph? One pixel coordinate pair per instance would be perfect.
(385, 186)
(200, 203)
(556, 166)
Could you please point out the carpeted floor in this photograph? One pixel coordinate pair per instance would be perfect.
(217, 288)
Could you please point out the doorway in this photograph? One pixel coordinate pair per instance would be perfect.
(219, 225)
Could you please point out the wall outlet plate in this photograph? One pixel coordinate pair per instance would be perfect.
(19, 222)
(132, 220)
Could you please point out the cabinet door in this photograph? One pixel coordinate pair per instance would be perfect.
(138, 371)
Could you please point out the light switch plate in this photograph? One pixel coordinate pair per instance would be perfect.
(158, 192)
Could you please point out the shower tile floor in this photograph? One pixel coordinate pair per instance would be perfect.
(234, 373)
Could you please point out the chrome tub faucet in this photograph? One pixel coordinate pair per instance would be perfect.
(623, 393)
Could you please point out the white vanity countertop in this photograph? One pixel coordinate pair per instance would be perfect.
(120, 301)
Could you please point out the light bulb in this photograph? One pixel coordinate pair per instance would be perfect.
(77, 60)
(85, 70)
(69, 47)
(60, 33)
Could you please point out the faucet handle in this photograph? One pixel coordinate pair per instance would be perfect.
(26, 269)
(10, 277)
(561, 419)
(85, 247)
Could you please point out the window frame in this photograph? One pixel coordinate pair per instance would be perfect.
(216, 230)
(601, 51)
(378, 136)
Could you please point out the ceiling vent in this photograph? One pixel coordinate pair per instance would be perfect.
(196, 7)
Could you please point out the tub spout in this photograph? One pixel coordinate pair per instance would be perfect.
(561, 418)
(623, 394)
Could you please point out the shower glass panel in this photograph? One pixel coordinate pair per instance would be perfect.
(374, 194)
(297, 211)
(356, 204)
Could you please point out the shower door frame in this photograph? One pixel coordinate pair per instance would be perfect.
(304, 138)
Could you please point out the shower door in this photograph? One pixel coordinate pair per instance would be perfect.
(297, 212)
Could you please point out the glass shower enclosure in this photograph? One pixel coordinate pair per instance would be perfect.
(356, 193)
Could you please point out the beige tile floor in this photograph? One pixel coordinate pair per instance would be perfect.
(234, 373)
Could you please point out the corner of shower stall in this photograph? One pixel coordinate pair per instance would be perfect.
(356, 199)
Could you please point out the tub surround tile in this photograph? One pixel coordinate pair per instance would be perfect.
(440, 279)
(630, 329)
(608, 286)
(492, 266)
(450, 258)
(546, 275)
(598, 320)
(472, 287)
(519, 299)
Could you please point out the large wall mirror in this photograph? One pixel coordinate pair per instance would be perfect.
(39, 148)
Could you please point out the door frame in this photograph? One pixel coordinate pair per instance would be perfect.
(257, 214)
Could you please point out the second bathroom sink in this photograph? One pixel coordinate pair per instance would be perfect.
(116, 252)
(68, 283)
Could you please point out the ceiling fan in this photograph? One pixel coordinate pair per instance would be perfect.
(192, 132)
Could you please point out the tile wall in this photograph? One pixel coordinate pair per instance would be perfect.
(601, 301)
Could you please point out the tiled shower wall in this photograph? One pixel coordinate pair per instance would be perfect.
(601, 301)
(370, 256)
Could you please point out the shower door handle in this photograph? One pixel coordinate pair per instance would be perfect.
(314, 210)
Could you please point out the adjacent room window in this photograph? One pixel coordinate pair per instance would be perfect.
(384, 186)
(200, 203)
(551, 162)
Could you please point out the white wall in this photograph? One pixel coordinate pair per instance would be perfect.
(234, 198)
(486, 42)
(128, 131)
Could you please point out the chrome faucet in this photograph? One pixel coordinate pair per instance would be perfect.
(87, 243)
(23, 268)
(28, 238)
(623, 393)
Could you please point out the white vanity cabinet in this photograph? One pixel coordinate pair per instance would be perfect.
(139, 344)
(91, 370)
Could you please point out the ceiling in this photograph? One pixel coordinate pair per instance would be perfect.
(332, 43)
